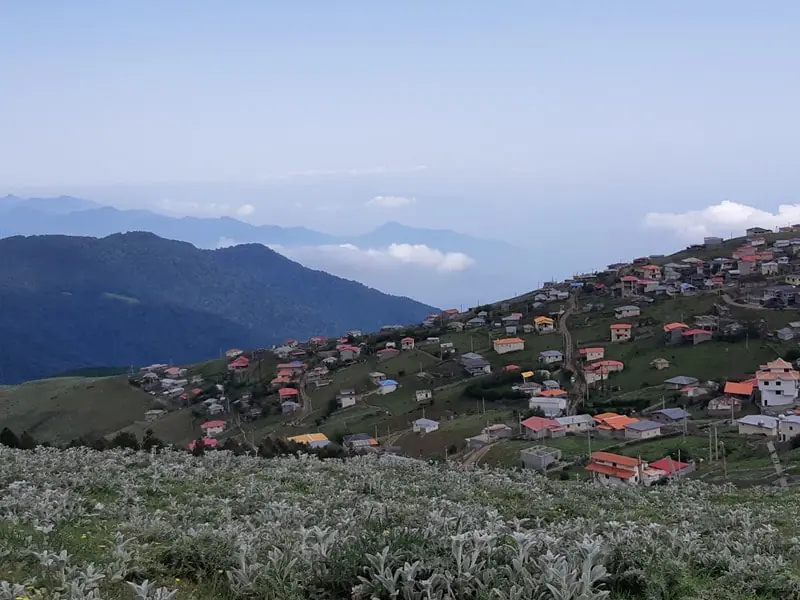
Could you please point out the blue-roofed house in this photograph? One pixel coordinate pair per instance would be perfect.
(548, 357)
(425, 425)
(387, 386)
(670, 415)
(642, 430)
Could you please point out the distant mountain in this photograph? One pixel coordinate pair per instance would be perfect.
(76, 302)
(61, 205)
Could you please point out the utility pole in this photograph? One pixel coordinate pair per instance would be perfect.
(716, 444)
(710, 456)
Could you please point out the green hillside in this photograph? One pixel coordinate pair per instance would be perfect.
(127, 526)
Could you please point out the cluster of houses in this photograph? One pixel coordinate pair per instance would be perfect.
(612, 469)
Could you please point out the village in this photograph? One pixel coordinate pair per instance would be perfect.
(657, 368)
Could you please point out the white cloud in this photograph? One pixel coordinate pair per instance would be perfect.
(723, 219)
(226, 243)
(393, 256)
(391, 201)
(204, 209)
(357, 172)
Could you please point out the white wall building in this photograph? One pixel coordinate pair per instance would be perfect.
(778, 383)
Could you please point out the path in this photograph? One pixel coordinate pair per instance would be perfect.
(732, 302)
(473, 457)
(305, 401)
(579, 388)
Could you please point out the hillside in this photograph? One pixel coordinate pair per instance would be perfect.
(231, 528)
(129, 299)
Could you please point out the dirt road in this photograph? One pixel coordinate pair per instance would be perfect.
(472, 458)
(579, 388)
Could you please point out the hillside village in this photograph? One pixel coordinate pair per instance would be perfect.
(663, 366)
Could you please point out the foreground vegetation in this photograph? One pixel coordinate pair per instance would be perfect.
(119, 524)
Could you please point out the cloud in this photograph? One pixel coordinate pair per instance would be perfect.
(357, 172)
(204, 209)
(226, 243)
(390, 201)
(722, 219)
(393, 256)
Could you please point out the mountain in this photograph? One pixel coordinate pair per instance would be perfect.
(75, 302)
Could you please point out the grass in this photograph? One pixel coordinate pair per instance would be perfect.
(62, 409)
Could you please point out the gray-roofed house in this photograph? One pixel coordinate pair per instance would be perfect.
(642, 430)
(785, 334)
(576, 423)
(425, 425)
(548, 357)
(347, 398)
(758, 425)
(289, 406)
(476, 322)
(676, 383)
(788, 427)
(670, 415)
(359, 441)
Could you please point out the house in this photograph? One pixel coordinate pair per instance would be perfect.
(642, 430)
(425, 425)
(687, 289)
(456, 326)
(407, 343)
(621, 332)
(614, 469)
(672, 467)
(788, 427)
(498, 431)
(354, 333)
(390, 344)
(670, 416)
(530, 388)
(289, 407)
(347, 398)
(740, 389)
(659, 364)
(576, 423)
(551, 402)
(475, 366)
(756, 231)
(208, 444)
(628, 286)
(676, 383)
(549, 357)
(239, 364)
(387, 353)
(612, 425)
(673, 332)
(650, 272)
(711, 241)
(450, 313)
(528, 328)
(387, 386)
(590, 354)
(778, 383)
(288, 394)
(506, 345)
(154, 415)
(359, 442)
(512, 319)
(793, 279)
(476, 322)
(312, 440)
(609, 366)
(758, 425)
(377, 377)
(544, 324)
(539, 457)
(538, 428)
(697, 336)
(724, 406)
(769, 268)
(348, 353)
(623, 312)
(785, 334)
(423, 395)
(215, 409)
(212, 428)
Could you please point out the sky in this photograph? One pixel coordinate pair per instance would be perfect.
(633, 126)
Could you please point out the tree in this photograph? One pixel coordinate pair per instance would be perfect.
(9, 438)
(150, 441)
(27, 442)
(199, 448)
(124, 439)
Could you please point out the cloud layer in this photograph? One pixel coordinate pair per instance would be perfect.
(390, 201)
(205, 209)
(722, 219)
(393, 256)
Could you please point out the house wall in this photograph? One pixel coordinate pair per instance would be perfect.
(609, 480)
(532, 461)
(755, 430)
(772, 395)
(620, 335)
(549, 360)
(632, 434)
(506, 348)
(788, 431)
(552, 407)
(347, 401)
(211, 431)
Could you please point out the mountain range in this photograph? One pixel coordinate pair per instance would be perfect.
(135, 298)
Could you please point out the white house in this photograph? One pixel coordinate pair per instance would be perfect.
(347, 398)
(769, 268)
(544, 324)
(788, 427)
(423, 395)
(642, 430)
(387, 386)
(212, 428)
(407, 343)
(507, 345)
(758, 425)
(549, 357)
(627, 311)
(778, 383)
(576, 423)
(590, 354)
(551, 406)
(425, 426)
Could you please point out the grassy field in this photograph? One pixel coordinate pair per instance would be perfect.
(62, 409)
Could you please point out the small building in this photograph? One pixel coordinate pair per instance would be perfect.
(778, 382)
(551, 402)
(642, 430)
(239, 364)
(359, 442)
(740, 389)
(590, 354)
(785, 334)
(455, 326)
(697, 336)
(387, 386)
(288, 394)
(212, 428)
(576, 423)
(623, 312)
(538, 428)
(621, 332)
(724, 406)
(154, 415)
(407, 343)
(614, 469)
(506, 345)
(549, 357)
(498, 431)
(659, 364)
(425, 426)
(788, 427)
(544, 324)
(673, 332)
(672, 467)
(348, 353)
(377, 377)
(347, 398)
(312, 440)
(680, 381)
(539, 457)
(289, 407)
(758, 425)
(423, 395)
(476, 322)
(670, 416)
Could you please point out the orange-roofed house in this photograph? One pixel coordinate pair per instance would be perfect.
(590, 354)
(778, 383)
(544, 324)
(612, 425)
(628, 285)
(740, 389)
(673, 332)
(614, 469)
(648, 271)
(621, 332)
(506, 345)
(697, 336)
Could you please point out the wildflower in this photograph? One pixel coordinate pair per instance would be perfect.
(177, 580)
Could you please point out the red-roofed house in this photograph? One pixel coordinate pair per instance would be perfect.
(590, 354)
(621, 332)
(673, 332)
(288, 393)
(407, 343)
(609, 366)
(741, 389)
(537, 428)
(239, 364)
(317, 340)
(511, 368)
(207, 442)
(628, 285)
(697, 336)
(672, 467)
(614, 469)
(212, 428)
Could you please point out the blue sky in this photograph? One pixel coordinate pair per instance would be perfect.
(485, 114)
